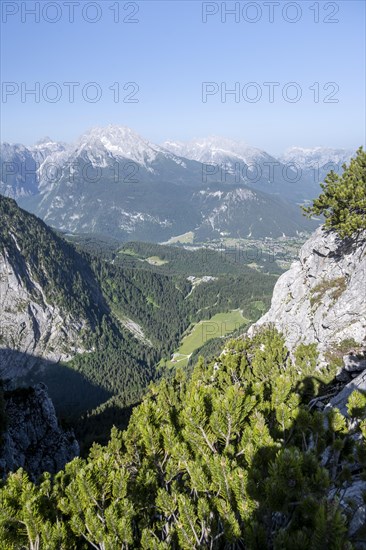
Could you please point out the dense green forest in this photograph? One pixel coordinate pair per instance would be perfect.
(232, 457)
(165, 307)
(176, 260)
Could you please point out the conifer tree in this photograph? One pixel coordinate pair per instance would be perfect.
(231, 458)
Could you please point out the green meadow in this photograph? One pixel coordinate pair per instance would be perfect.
(218, 326)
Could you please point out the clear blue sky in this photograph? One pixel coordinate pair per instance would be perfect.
(169, 52)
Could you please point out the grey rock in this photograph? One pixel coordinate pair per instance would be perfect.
(351, 499)
(29, 324)
(33, 440)
(358, 521)
(322, 298)
(354, 362)
(340, 400)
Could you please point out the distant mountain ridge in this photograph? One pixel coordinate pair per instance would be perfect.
(114, 182)
(316, 157)
(315, 163)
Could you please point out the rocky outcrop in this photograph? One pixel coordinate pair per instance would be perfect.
(340, 400)
(33, 439)
(322, 298)
(351, 499)
(29, 324)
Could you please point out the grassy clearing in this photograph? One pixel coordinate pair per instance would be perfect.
(151, 301)
(155, 260)
(128, 252)
(218, 326)
(186, 238)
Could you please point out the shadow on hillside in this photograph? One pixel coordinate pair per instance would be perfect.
(97, 428)
(71, 392)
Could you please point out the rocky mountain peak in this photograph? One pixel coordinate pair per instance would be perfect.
(316, 157)
(120, 141)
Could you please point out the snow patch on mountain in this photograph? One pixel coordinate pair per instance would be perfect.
(217, 150)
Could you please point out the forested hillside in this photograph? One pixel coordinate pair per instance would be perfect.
(65, 276)
(176, 260)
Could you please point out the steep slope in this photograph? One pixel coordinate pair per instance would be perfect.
(114, 182)
(57, 323)
(319, 305)
(322, 298)
(18, 171)
(235, 456)
(50, 299)
(243, 212)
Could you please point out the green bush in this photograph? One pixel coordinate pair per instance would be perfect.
(230, 458)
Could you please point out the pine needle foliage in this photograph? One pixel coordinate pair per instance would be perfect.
(229, 458)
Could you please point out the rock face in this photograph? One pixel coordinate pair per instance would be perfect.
(353, 505)
(29, 324)
(322, 298)
(340, 400)
(33, 439)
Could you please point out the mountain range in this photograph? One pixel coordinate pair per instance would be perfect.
(114, 182)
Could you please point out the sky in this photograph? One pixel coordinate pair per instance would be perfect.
(166, 68)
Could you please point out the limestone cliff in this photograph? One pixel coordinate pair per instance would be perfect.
(322, 298)
(29, 323)
(50, 300)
